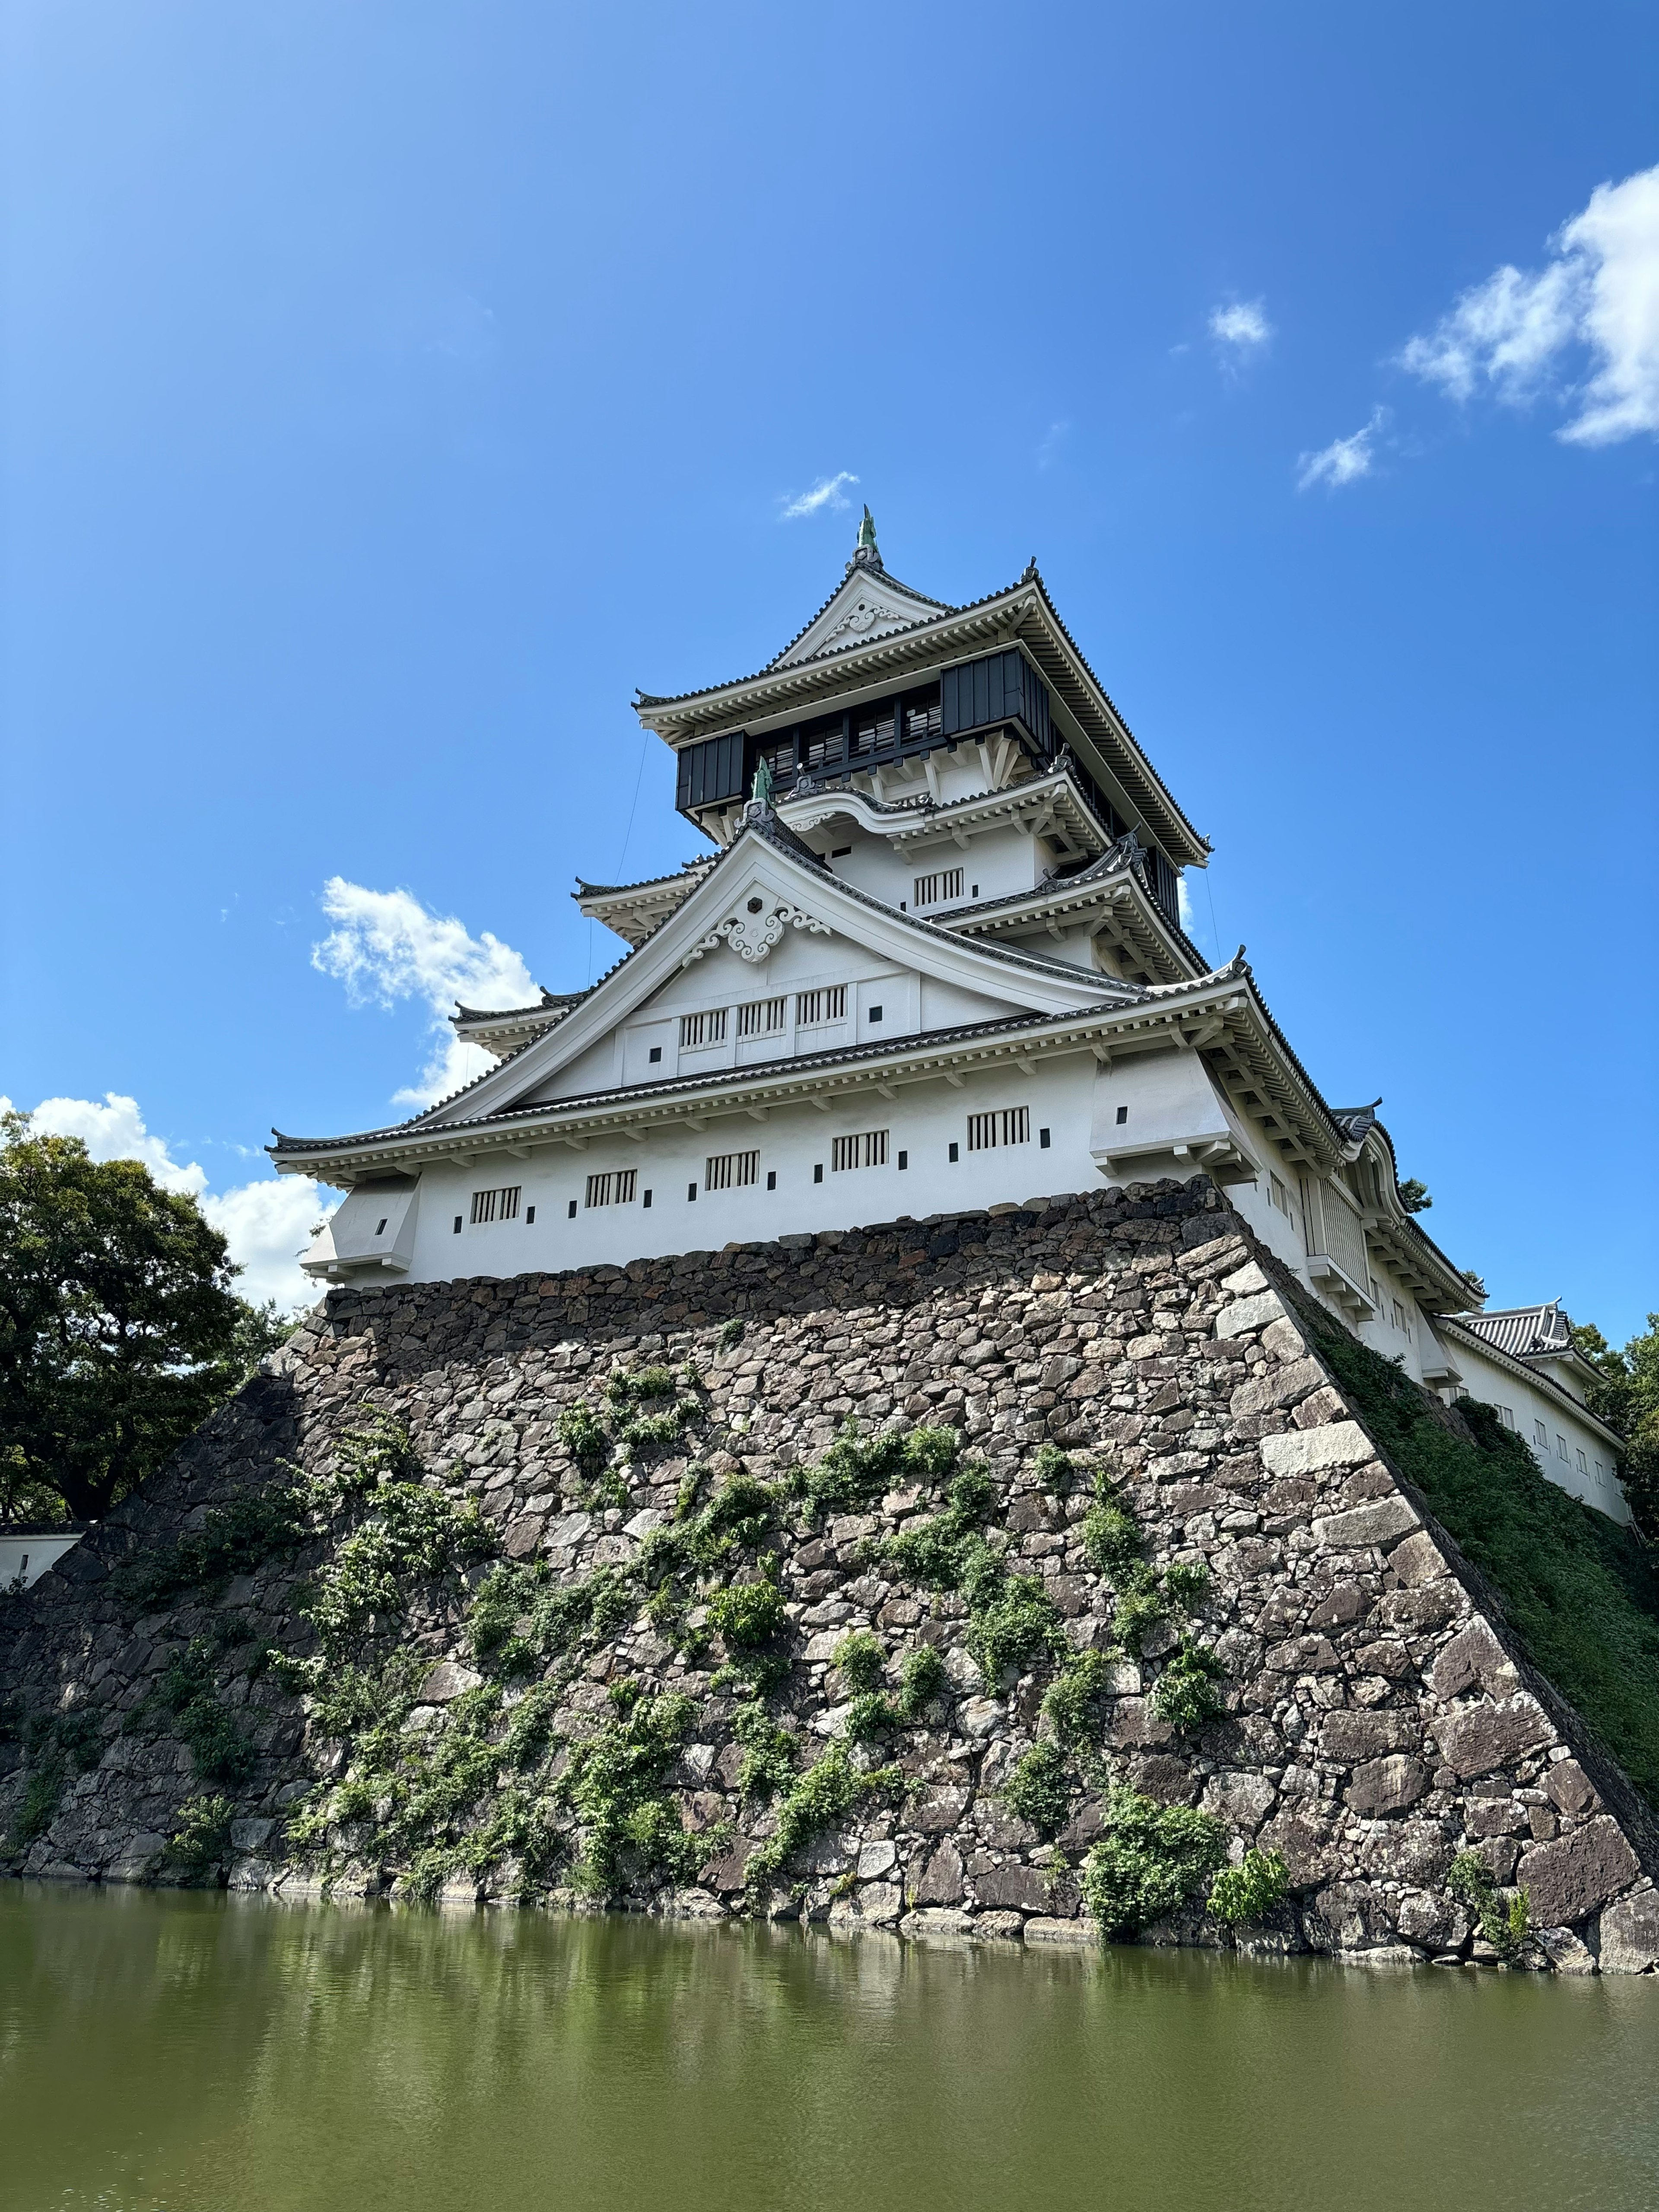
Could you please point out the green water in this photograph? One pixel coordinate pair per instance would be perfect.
(211, 2054)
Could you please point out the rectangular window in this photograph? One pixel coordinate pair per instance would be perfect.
(1560, 1446)
(867, 1150)
(873, 730)
(1279, 1195)
(1541, 1437)
(495, 1205)
(1584, 1464)
(1600, 1473)
(1506, 1417)
(761, 1017)
(698, 1030)
(731, 1171)
(529, 1216)
(814, 1008)
(943, 884)
(616, 1188)
(1009, 1125)
(1399, 1315)
(923, 716)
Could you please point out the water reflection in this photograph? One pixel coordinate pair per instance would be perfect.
(239, 2055)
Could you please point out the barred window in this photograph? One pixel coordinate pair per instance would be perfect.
(731, 1171)
(867, 1150)
(761, 1017)
(1009, 1125)
(495, 1205)
(614, 1189)
(703, 1029)
(814, 1007)
(943, 884)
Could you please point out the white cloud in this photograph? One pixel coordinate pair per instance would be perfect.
(267, 1223)
(826, 492)
(1344, 460)
(116, 1131)
(388, 946)
(1242, 324)
(1600, 292)
(1054, 439)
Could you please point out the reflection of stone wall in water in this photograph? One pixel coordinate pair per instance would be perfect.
(1377, 1721)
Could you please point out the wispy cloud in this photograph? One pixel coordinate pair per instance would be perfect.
(1054, 439)
(826, 492)
(267, 1223)
(1242, 326)
(1599, 294)
(1345, 460)
(388, 947)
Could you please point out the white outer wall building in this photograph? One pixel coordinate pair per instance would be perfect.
(939, 970)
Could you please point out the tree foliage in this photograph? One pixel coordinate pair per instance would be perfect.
(1625, 1395)
(119, 1327)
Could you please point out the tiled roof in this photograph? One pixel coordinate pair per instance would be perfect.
(1521, 1330)
(731, 682)
(550, 1002)
(1029, 576)
(585, 889)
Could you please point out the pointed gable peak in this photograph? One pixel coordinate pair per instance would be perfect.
(867, 604)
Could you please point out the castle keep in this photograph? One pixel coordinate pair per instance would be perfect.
(932, 961)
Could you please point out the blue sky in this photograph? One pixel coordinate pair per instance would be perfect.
(391, 390)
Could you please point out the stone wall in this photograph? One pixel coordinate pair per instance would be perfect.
(1377, 1718)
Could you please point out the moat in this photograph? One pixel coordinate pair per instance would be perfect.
(204, 2053)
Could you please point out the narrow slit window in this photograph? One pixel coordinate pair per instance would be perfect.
(613, 1189)
(1006, 1125)
(761, 1017)
(814, 1008)
(699, 1029)
(731, 1171)
(495, 1205)
(867, 1149)
(943, 884)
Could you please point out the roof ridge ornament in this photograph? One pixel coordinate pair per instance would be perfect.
(866, 553)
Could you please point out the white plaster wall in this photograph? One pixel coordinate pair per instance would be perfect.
(1484, 1379)
(24, 1559)
(922, 1121)
(801, 962)
(1000, 858)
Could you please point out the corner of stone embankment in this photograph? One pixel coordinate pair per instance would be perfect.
(1378, 1721)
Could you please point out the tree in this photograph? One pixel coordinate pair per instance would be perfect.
(120, 1330)
(1625, 1395)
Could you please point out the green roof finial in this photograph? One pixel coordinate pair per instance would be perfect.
(867, 533)
(761, 787)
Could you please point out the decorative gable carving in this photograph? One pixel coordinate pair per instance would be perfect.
(867, 606)
(754, 928)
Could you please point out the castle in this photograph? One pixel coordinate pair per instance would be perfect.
(933, 961)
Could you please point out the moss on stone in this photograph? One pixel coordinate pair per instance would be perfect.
(1579, 1592)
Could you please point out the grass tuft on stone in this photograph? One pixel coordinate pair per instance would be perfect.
(1580, 1592)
